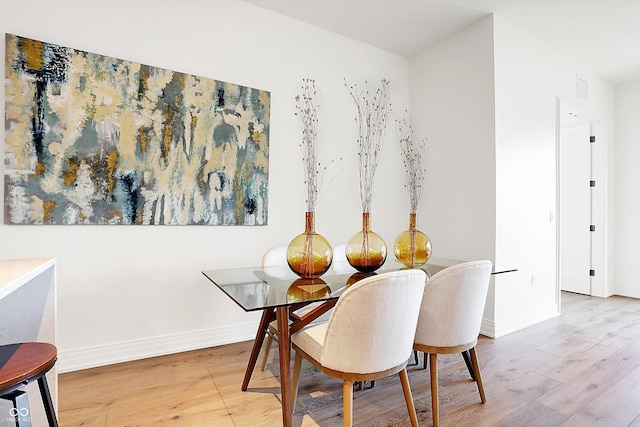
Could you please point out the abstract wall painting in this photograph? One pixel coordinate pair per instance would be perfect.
(91, 139)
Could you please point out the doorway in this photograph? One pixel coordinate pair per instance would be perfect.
(575, 201)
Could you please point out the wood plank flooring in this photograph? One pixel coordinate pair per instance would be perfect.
(579, 369)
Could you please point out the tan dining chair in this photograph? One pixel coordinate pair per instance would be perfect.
(273, 257)
(340, 263)
(369, 335)
(275, 260)
(450, 319)
(340, 253)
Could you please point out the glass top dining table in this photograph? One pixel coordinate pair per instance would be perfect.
(257, 288)
(278, 292)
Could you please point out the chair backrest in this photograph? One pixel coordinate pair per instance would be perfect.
(275, 256)
(340, 263)
(453, 304)
(340, 253)
(372, 325)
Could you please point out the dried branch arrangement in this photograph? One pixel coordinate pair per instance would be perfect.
(307, 110)
(373, 109)
(307, 106)
(412, 158)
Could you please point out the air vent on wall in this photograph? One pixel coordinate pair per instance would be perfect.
(582, 88)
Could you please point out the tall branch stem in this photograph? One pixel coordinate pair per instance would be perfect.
(412, 159)
(372, 112)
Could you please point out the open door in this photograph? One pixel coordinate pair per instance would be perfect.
(575, 204)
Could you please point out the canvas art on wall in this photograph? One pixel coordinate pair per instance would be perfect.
(91, 139)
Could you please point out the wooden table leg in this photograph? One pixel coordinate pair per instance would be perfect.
(284, 347)
(268, 316)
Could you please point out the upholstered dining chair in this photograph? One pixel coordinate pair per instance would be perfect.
(340, 264)
(369, 335)
(340, 253)
(450, 319)
(275, 259)
(276, 256)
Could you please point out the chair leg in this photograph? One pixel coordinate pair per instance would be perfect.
(46, 400)
(404, 379)
(433, 371)
(467, 361)
(477, 376)
(347, 402)
(297, 363)
(267, 347)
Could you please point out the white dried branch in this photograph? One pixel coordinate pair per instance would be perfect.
(307, 110)
(373, 109)
(307, 106)
(412, 159)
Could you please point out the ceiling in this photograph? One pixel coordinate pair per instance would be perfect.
(602, 35)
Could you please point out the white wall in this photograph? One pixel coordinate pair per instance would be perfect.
(530, 76)
(486, 98)
(126, 292)
(452, 103)
(627, 177)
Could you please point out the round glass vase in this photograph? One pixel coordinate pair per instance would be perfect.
(412, 247)
(309, 255)
(366, 250)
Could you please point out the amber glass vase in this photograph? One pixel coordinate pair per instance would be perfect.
(366, 251)
(309, 255)
(412, 247)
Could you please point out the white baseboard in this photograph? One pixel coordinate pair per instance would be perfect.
(630, 291)
(125, 351)
(488, 328)
(504, 326)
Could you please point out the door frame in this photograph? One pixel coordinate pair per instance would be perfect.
(599, 256)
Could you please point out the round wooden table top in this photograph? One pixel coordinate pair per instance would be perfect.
(23, 361)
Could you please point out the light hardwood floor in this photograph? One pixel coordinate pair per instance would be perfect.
(579, 369)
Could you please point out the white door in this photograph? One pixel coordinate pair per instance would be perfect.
(575, 208)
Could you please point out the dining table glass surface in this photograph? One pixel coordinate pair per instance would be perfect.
(257, 288)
